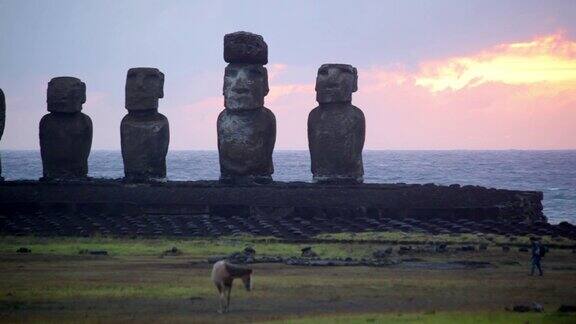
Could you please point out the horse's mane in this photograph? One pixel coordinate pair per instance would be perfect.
(237, 271)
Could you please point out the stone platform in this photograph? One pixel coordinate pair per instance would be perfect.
(284, 210)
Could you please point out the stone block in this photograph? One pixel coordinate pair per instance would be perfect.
(245, 47)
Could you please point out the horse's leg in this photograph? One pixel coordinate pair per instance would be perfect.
(223, 300)
(220, 298)
(228, 299)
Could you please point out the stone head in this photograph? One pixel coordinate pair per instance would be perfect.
(336, 83)
(66, 94)
(144, 86)
(245, 86)
(244, 47)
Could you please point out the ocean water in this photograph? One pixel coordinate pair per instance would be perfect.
(553, 172)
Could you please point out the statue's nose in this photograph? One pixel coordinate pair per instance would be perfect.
(240, 89)
(240, 86)
(140, 82)
(331, 84)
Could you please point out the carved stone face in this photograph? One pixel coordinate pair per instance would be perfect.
(66, 94)
(336, 83)
(245, 86)
(144, 86)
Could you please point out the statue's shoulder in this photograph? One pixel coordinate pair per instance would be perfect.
(223, 114)
(2, 100)
(268, 113)
(86, 119)
(315, 111)
(357, 111)
(46, 118)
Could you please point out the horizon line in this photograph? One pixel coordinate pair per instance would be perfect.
(365, 150)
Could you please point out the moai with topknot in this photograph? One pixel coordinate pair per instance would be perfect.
(2, 123)
(336, 128)
(65, 133)
(246, 129)
(144, 132)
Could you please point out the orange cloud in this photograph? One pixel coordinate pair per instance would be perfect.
(549, 58)
(520, 95)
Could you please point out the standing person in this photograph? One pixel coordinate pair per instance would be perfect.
(538, 252)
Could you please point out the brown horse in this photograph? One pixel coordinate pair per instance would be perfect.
(223, 274)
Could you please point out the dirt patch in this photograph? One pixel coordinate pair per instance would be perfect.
(452, 265)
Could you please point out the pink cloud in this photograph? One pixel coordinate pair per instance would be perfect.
(94, 99)
(520, 95)
(465, 103)
(274, 70)
(282, 91)
(194, 125)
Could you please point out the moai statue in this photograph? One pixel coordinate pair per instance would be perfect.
(2, 123)
(336, 128)
(65, 133)
(246, 129)
(144, 131)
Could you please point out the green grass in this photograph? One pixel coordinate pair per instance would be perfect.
(140, 247)
(465, 238)
(192, 248)
(201, 248)
(438, 318)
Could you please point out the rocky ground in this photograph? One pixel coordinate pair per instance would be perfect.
(287, 227)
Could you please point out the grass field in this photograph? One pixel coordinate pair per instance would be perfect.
(136, 283)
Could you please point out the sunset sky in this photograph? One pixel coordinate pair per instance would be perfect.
(432, 74)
